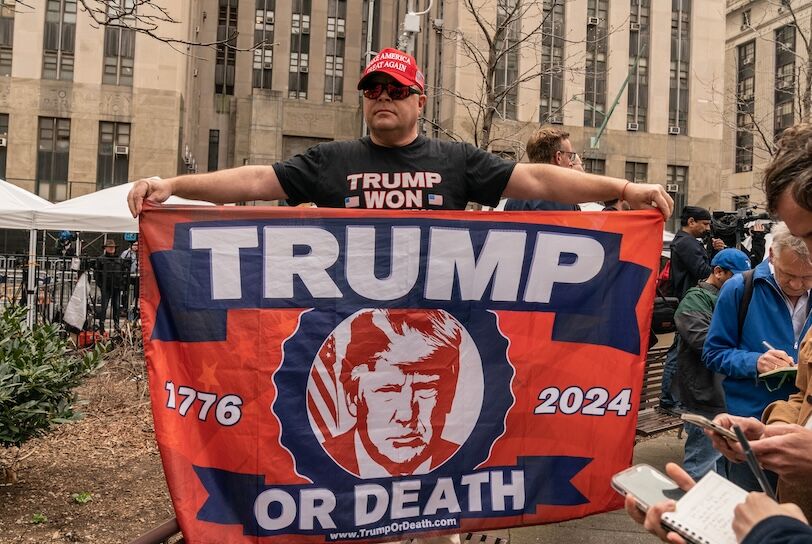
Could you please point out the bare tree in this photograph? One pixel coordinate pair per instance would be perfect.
(493, 52)
(517, 29)
(148, 17)
(790, 94)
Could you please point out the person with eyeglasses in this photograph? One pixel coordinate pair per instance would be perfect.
(396, 167)
(768, 337)
(548, 145)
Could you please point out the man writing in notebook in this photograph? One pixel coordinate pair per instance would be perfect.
(778, 313)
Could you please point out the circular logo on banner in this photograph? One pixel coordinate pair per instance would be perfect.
(395, 391)
(392, 392)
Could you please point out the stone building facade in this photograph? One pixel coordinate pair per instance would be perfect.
(86, 106)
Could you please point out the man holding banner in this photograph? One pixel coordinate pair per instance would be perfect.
(429, 442)
(395, 167)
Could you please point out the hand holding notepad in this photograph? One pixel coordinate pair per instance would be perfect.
(705, 514)
(774, 362)
(702, 515)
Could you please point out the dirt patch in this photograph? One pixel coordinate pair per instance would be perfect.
(110, 455)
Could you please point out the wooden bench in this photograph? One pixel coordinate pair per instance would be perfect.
(162, 534)
(651, 419)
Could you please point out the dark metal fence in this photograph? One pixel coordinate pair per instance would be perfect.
(115, 292)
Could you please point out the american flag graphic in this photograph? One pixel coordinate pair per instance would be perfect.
(435, 200)
(352, 201)
(325, 395)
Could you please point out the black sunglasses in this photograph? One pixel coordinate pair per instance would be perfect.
(395, 92)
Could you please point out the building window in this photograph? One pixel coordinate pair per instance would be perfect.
(299, 49)
(263, 43)
(741, 202)
(676, 179)
(784, 113)
(597, 44)
(113, 164)
(637, 172)
(53, 146)
(214, 151)
(3, 143)
(334, 63)
(680, 57)
(595, 166)
(506, 71)
(637, 111)
(6, 37)
(745, 105)
(59, 40)
(226, 56)
(552, 63)
(370, 30)
(119, 44)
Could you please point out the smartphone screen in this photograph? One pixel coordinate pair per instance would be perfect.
(646, 484)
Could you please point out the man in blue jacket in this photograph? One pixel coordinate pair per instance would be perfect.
(777, 319)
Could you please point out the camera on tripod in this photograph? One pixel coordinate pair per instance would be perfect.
(731, 227)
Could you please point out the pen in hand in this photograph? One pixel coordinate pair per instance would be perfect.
(769, 347)
(752, 462)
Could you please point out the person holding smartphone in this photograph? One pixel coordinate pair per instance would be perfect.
(758, 520)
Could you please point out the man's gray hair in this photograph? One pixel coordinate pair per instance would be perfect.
(782, 239)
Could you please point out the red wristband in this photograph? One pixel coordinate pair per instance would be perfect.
(623, 192)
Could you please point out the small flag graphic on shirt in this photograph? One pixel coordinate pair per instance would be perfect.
(435, 200)
(352, 201)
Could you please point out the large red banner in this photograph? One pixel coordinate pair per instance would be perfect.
(354, 376)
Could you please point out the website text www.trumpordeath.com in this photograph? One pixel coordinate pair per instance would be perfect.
(394, 528)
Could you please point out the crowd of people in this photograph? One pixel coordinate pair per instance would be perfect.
(730, 347)
(719, 352)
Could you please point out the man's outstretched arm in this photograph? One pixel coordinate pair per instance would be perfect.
(550, 182)
(224, 186)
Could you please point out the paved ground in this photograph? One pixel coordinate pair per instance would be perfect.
(599, 529)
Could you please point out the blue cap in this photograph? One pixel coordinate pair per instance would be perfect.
(732, 259)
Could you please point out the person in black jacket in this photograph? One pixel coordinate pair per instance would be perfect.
(109, 279)
(690, 264)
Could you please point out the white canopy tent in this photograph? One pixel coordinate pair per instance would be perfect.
(17, 206)
(102, 211)
(17, 209)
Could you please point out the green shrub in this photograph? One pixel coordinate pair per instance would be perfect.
(38, 375)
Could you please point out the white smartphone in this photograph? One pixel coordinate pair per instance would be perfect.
(647, 485)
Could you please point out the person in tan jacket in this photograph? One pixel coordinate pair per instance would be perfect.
(794, 412)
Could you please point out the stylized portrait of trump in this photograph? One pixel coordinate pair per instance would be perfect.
(394, 375)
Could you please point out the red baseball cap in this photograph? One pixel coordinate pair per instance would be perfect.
(397, 64)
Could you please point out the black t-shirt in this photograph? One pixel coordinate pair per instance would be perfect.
(426, 174)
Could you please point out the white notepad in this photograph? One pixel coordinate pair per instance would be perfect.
(705, 514)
